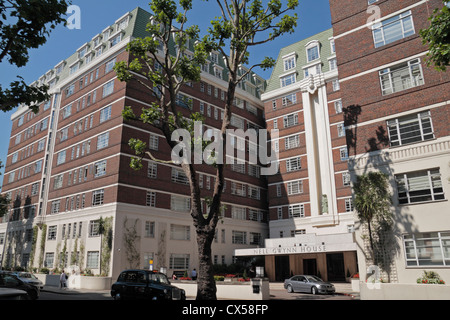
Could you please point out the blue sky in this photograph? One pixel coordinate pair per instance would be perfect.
(313, 17)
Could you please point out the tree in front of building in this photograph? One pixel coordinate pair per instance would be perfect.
(26, 25)
(372, 202)
(164, 66)
(437, 37)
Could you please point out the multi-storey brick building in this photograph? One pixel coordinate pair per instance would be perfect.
(397, 122)
(311, 216)
(68, 166)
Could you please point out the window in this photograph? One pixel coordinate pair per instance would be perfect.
(103, 140)
(343, 152)
(152, 170)
(294, 187)
(333, 64)
(178, 176)
(289, 100)
(427, 249)
(238, 188)
(411, 128)
(67, 111)
(179, 232)
(393, 29)
(179, 261)
(287, 80)
(58, 182)
(289, 63)
(108, 88)
(109, 65)
(98, 197)
(61, 157)
(419, 186)
(349, 205)
(341, 130)
(115, 40)
(149, 229)
(338, 106)
(255, 238)
(346, 180)
(41, 145)
(401, 77)
(313, 53)
(153, 144)
(293, 164)
(336, 85)
(70, 90)
(254, 192)
(292, 142)
(105, 114)
(74, 68)
(100, 169)
(150, 199)
(49, 259)
(93, 228)
(52, 233)
(180, 204)
(290, 120)
(296, 211)
(239, 237)
(92, 259)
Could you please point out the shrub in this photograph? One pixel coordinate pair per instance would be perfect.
(430, 277)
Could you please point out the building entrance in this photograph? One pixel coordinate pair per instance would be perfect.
(310, 267)
(335, 267)
(282, 268)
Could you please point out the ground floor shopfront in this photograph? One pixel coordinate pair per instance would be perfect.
(331, 257)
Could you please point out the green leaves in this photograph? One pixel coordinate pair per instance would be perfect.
(437, 36)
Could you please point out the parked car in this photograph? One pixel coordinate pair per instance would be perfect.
(12, 294)
(29, 278)
(308, 284)
(145, 284)
(10, 280)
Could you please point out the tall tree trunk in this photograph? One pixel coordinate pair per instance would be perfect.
(206, 285)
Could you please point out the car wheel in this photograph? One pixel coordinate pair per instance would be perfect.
(290, 289)
(314, 290)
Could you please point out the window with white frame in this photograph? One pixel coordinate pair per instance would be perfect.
(179, 261)
(110, 65)
(239, 237)
(92, 259)
(180, 232)
(153, 142)
(280, 213)
(293, 164)
(179, 176)
(338, 106)
(180, 204)
(61, 157)
(289, 62)
(115, 40)
(149, 229)
(254, 192)
(427, 249)
(239, 213)
(103, 140)
(343, 152)
(58, 182)
(55, 206)
(288, 100)
(108, 88)
(292, 142)
(393, 29)
(288, 80)
(278, 189)
(410, 129)
(152, 170)
(100, 168)
(294, 187)
(49, 259)
(341, 130)
(336, 85)
(255, 238)
(419, 186)
(67, 111)
(333, 64)
(349, 205)
(238, 188)
(98, 197)
(150, 199)
(346, 179)
(296, 211)
(312, 53)
(290, 120)
(401, 77)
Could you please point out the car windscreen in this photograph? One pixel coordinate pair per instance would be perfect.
(313, 279)
(159, 278)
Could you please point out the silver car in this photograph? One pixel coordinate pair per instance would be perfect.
(30, 278)
(308, 284)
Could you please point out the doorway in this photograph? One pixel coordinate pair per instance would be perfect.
(310, 267)
(335, 267)
(281, 268)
